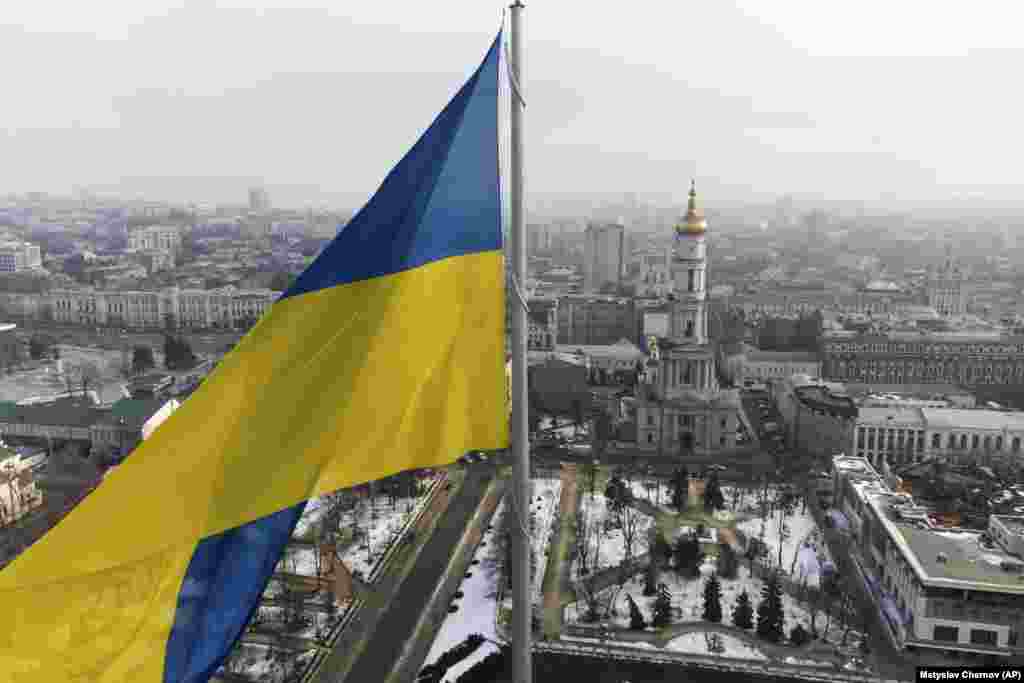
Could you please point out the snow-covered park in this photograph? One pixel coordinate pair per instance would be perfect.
(369, 526)
(803, 550)
(476, 608)
(607, 544)
(688, 599)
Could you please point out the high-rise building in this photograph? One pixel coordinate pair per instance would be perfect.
(603, 256)
(680, 407)
(259, 200)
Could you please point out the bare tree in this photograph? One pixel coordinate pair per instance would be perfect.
(629, 518)
(583, 544)
(846, 607)
(591, 598)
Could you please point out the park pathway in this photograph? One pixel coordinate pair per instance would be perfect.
(557, 575)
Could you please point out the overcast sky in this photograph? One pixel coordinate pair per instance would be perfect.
(846, 100)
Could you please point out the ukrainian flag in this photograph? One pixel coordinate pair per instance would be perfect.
(386, 355)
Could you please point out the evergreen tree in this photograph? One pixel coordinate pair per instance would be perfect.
(713, 600)
(713, 497)
(636, 617)
(618, 494)
(662, 607)
(660, 548)
(680, 488)
(770, 617)
(798, 636)
(688, 555)
(651, 577)
(743, 612)
(142, 359)
(728, 563)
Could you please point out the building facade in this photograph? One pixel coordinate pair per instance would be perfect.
(819, 415)
(904, 435)
(762, 367)
(18, 257)
(542, 322)
(162, 237)
(174, 308)
(603, 256)
(947, 289)
(920, 359)
(680, 408)
(595, 320)
(938, 588)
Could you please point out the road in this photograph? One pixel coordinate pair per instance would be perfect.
(397, 624)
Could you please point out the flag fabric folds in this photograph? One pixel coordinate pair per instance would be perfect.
(386, 355)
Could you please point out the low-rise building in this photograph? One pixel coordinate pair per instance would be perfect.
(938, 588)
(819, 415)
(762, 367)
(901, 435)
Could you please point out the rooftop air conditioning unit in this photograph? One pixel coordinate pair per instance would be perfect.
(942, 558)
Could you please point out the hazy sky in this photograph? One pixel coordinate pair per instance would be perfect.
(847, 100)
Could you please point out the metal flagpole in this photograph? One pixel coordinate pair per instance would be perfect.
(522, 603)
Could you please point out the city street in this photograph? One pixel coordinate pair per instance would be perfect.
(397, 624)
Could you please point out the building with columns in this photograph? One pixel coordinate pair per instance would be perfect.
(680, 408)
(902, 436)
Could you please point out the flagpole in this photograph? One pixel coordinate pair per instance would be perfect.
(522, 603)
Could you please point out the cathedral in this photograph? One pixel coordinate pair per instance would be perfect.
(680, 408)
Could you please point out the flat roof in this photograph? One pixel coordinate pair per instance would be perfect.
(965, 565)
(966, 560)
(891, 415)
(958, 418)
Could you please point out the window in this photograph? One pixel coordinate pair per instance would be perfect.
(691, 283)
(689, 328)
(947, 634)
(936, 441)
(983, 637)
(1016, 444)
(650, 438)
(650, 419)
(974, 441)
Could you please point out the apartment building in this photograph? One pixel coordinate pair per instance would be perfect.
(938, 588)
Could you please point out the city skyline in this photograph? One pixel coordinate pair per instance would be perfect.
(756, 103)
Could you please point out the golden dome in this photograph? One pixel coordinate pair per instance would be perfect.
(693, 223)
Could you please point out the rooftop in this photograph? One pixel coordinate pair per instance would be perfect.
(916, 390)
(891, 415)
(981, 420)
(958, 556)
(951, 558)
